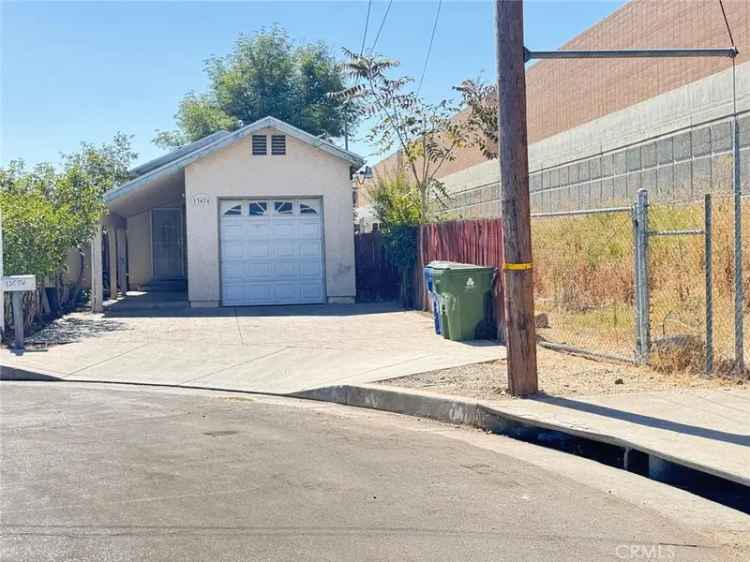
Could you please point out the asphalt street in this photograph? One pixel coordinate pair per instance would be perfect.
(96, 472)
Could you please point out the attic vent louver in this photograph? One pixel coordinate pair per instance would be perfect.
(260, 145)
(278, 145)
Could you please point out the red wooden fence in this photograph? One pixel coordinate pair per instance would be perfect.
(477, 242)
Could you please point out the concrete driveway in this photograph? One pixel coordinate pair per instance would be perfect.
(268, 349)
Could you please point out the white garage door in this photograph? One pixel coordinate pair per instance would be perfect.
(271, 251)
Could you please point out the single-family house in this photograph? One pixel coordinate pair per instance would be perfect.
(261, 215)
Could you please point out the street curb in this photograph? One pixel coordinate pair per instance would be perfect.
(475, 414)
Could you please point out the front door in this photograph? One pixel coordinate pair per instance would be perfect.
(166, 238)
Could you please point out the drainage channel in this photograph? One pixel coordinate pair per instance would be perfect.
(708, 486)
(460, 412)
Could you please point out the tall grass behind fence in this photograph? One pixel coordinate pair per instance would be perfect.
(377, 278)
(583, 279)
(677, 271)
(477, 242)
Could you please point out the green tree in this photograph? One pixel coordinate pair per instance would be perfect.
(426, 135)
(397, 205)
(48, 211)
(265, 74)
(481, 99)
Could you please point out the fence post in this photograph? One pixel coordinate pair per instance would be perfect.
(641, 275)
(636, 282)
(739, 299)
(17, 303)
(707, 234)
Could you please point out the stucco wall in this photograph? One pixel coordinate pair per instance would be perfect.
(234, 172)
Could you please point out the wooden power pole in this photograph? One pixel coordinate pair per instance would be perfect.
(514, 178)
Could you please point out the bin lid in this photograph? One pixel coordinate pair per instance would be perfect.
(438, 264)
(458, 266)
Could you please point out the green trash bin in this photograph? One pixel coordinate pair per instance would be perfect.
(465, 297)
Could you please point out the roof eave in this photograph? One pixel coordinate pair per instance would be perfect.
(122, 190)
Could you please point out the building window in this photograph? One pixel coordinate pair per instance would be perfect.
(258, 208)
(307, 209)
(278, 145)
(282, 207)
(260, 145)
(233, 211)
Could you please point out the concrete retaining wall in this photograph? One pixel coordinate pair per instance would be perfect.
(677, 145)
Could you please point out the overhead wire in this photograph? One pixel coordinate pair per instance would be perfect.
(429, 47)
(380, 28)
(367, 25)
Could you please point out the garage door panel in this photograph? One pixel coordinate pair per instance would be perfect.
(247, 294)
(260, 271)
(232, 229)
(273, 258)
(312, 293)
(310, 249)
(286, 270)
(289, 293)
(258, 250)
(310, 230)
(311, 270)
(286, 248)
(284, 228)
(234, 272)
(232, 249)
(258, 229)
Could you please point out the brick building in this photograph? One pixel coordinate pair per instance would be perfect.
(601, 129)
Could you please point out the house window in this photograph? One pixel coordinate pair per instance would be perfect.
(233, 211)
(307, 210)
(278, 145)
(282, 207)
(258, 208)
(260, 145)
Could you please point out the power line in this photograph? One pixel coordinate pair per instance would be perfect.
(367, 24)
(429, 47)
(726, 22)
(382, 23)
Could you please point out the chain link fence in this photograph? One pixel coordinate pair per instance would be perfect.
(688, 331)
(583, 278)
(675, 308)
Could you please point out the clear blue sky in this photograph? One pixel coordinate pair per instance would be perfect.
(81, 71)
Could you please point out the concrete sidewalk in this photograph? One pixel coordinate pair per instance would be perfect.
(705, 430)
(262, 349)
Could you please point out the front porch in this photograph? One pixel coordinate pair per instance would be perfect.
(138, 258)
(136, 302)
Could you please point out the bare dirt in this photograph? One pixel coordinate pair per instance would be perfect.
(560, 374)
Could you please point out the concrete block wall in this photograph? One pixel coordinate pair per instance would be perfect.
(677, 145)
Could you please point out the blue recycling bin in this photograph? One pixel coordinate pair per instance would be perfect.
(433, 297)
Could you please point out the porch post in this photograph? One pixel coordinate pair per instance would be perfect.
(122, 264)
(97, 282)
(113, 280)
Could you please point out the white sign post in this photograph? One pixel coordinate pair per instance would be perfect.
(2, 292)
(17, 284)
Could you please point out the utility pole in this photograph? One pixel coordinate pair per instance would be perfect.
(514, 178)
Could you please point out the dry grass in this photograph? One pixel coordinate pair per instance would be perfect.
(584, 282)
(560, 375)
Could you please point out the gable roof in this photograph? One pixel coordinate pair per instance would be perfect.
(180, 158)
(175, 154)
